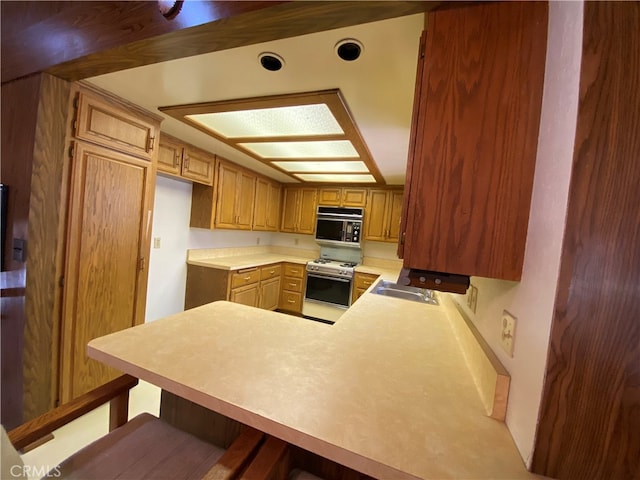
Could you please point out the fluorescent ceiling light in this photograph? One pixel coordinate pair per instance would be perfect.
(308, 135)
(335, 177)
(323, 167)
(271, 122)
(307, 149)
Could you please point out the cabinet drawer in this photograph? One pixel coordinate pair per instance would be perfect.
(293, 284)
(364, 280)
(244, 277)
(270, 271)
(291, 301)
(294, 270)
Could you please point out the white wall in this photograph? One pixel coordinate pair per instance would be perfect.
(167, 265)
(532, 300)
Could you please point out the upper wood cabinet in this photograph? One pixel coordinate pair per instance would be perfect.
(266, 211)
(185, 161)
(382, 215)
(475, 133)
(235, 197)
(299, 210)
(342, 197)
(101, 121)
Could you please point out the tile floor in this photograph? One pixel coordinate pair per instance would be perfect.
(72, 437)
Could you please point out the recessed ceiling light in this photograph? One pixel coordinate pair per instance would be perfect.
(303, 149)
(349, 49)
(271, 61)
(325, 166)
(335, 177)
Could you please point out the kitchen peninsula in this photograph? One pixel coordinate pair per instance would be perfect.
(385, 391)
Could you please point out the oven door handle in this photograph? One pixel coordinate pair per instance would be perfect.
(329, 277)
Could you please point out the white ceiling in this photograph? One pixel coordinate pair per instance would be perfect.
(378, 87)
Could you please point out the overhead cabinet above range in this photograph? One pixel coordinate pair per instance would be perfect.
(474, 138)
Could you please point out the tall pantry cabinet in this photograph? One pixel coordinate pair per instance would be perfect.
(112, 178)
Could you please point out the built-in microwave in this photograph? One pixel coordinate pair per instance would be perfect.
(339, 226)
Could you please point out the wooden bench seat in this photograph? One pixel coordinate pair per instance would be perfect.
(143, 448)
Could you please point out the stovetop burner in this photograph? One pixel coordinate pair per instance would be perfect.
(328, 266)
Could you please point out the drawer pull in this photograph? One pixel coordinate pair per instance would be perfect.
(367, 282)
(271, 272)
(292, 284)
(291, 301)
(246, 279)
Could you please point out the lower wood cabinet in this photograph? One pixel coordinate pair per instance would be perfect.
(293, 285)
(255, 286)
(361, 282)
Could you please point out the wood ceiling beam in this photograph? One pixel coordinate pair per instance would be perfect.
(85, 39)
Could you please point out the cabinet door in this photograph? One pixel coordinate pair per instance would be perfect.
(228, 180)
(270, 293)
(394, 215)
(290, 210)
(307, 212)
(169, 156)
(330, 196)
(197, 165)
(273, 212)
(247, 295)
(375, 226)
(245, 200)
(107, 249)
(261, 205)
(474, 159)
(354, 197)
(100, 122)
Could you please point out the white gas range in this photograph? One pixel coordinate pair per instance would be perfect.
(329, 283)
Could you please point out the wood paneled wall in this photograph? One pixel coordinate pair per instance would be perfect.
(590, 414)
(47, 214)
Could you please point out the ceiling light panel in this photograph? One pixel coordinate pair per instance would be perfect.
(297, 120)
(311, 149)
(325, 166)
(335, 178)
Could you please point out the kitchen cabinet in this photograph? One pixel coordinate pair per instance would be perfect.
(235, 197)
(299, 210)
(293, 284)
(253, 286)
(266, 211)
(101, 122)
(382, 215)
(112, 179)
(474, 138)
(270, 286)
(342, 196)
(361, 281)
(181, 160)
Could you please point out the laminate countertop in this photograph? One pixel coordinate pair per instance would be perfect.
(239, 262)
(385, 391)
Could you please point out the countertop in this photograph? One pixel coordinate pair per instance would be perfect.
(239, 262)
(385, 391)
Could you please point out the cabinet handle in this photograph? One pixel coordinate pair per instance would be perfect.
(151, 141)
(291, 301)
(186, 163)
(292, 284)
(271, 272)
(367, 282)
(176, 161)
(246, 279)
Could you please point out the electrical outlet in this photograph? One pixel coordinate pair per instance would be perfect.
(156, 242)
(508, 333)
(472, 297)
(258, 241)
(295, 241)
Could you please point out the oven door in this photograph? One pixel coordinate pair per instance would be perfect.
(328, 289)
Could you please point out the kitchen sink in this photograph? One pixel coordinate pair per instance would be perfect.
(384, 287)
